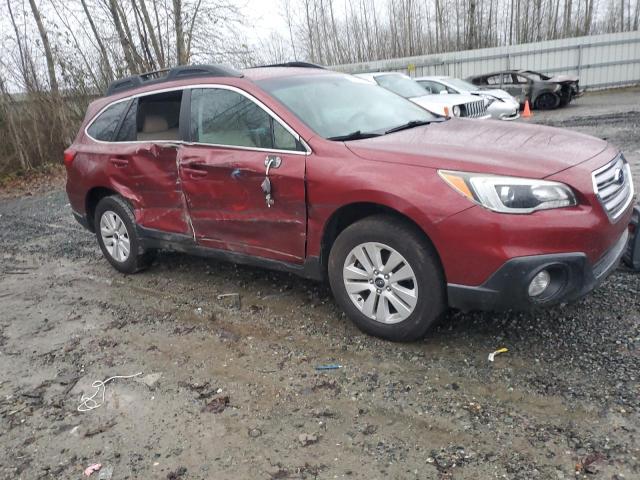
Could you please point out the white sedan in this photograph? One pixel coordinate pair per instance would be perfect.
(469, 106)
(503, 106)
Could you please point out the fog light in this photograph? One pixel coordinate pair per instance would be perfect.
(539, 283)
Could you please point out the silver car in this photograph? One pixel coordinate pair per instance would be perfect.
(502, 107)
(458, 105)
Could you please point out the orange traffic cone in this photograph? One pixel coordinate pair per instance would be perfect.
(526, 113)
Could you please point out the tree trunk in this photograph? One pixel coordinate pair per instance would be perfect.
(180, 44)
(101, 47)
(152, 35)
(137, 58)
(124, 42)
(190, 34)
(51, 68)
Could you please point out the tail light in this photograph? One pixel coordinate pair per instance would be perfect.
(69, 155)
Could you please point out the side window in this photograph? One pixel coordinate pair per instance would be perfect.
(128, 128)
(493, 80)
(433, 87)
(282, 139)
(158, 117)
(225, 117)
(521, 79)
(104, 127)
(507, 79)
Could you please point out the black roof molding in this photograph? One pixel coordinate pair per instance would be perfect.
(169, 74)
(293, 64)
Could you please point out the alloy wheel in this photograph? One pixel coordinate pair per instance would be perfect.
(380, 282)
(115, 236)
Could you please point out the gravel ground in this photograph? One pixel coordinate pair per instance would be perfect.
(229, 386)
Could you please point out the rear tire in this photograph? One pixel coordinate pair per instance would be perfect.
(117, 235)
(397, 291)
(547, 101)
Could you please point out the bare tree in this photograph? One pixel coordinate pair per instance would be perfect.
(180, 44)
(51, 69)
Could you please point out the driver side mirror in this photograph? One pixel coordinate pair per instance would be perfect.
(444, 92)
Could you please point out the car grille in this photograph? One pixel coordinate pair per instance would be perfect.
(474, 109)
(613, 186)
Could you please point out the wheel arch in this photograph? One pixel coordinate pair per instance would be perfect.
(93, 197)
(539, 93)
(348, 214)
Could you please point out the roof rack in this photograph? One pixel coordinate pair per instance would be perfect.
(293, 64)
(169, 74)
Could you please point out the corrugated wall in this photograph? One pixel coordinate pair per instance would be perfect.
(601, 61)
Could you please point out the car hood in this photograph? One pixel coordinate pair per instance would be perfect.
(449, 99)
(491, 146)
(494, 92)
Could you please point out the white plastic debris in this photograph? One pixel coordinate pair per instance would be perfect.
(492, 355)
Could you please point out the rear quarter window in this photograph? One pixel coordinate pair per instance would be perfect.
(105, 125)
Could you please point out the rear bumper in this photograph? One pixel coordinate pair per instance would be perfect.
(572, 276)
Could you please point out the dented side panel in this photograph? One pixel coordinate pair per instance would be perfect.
(222, 187)
(151, 173)
(143, 173)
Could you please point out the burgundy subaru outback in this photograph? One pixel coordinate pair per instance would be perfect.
(322, 174)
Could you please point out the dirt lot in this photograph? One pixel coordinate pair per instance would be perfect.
(565, 397)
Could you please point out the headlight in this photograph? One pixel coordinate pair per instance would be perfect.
(456, 111)
(510, 194)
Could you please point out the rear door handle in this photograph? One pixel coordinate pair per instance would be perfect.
(195, 169)
(119, 162)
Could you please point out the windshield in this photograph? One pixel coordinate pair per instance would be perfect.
(338, 105)
(403, 86)
(461, 84)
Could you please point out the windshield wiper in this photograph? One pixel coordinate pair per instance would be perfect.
(411, 124)
(357, 135)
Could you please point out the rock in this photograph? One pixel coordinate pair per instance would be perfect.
(307, 439)
(217, 405)
(230, 301)
(369, 429)
(151, 380)
(179, 473)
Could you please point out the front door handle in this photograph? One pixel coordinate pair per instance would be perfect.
(272, 161)
(119, 162)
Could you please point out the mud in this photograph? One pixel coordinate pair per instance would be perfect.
(230, 389)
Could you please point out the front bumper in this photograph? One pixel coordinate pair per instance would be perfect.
(504, 110)
(572, 276)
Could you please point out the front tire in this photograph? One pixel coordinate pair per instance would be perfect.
(387, 278)
(117, 235)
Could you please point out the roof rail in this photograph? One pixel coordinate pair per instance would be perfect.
(293, 64)
(169, 74)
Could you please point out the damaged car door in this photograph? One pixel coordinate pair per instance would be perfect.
(141, 159)
(243, 176)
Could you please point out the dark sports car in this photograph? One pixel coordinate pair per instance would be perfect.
(542, 91)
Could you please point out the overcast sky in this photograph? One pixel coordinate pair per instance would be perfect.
(265, 17)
